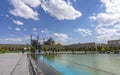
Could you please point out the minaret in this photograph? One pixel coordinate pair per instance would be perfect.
(38, 38)
(31, 39)
(43, 41)
(37, 41)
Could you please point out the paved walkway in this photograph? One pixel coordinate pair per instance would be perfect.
(13, 64)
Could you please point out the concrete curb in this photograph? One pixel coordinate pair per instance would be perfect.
(36, 70)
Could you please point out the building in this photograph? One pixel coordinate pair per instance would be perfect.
(83, 45)
(101, 45)
(88, 45)
(35, 42)
(14, 46)
(50, 41)
(76, 46)
(113, 43)
(52, 46)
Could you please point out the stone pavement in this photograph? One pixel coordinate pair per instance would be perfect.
(13, 64)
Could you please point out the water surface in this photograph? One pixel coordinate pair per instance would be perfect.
(83, 64)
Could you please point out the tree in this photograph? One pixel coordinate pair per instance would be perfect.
(2, 50)
(103, 49)
(99, 49)
(116, 49)
(54, 50)
(32, 49)
(45, 49)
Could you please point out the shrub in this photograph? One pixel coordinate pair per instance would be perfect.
(2, 51)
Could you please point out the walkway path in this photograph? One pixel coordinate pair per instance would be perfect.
(13, 64)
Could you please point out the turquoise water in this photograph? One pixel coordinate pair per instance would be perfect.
(83, 64)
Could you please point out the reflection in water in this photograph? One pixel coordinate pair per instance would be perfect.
(83, 64)
(51, 57)
(48, 70)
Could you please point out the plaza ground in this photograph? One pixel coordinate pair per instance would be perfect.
(13, 64)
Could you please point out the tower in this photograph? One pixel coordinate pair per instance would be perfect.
(43, 40)
(37, 41)
(37, 37)
(31, 39)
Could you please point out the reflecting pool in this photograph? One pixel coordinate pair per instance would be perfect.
(83, 64)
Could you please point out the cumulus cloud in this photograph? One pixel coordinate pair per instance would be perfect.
(61, 37)
(18, 22)
(111, 13)
(57, 8)
(17, 29)
(32, 3)
(60, 9)
(108, 20)
(108, 33)
(23, 8)
(84, 32)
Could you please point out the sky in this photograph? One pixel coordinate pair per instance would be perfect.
(66, 21)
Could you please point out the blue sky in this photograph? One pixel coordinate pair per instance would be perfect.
(66, 21)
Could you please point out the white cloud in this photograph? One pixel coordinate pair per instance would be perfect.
(102, 30)
(61, 37)
(10, 28)
(23, 8)
(34, 29)
(108, 20)
(60, 9)
(57, 8)
(32, 3)
(84, 32)
(11, 39)
(15, 40)
(111, 14)
(108, 33)
(45, 31)
(17, 29)
(18, 22)
(92, 18)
